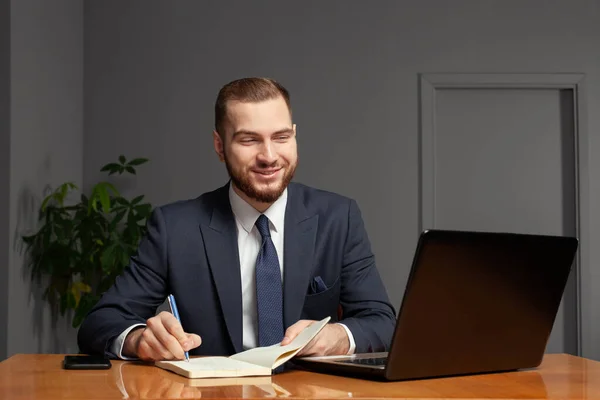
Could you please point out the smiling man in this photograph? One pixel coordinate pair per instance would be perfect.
(251, 263)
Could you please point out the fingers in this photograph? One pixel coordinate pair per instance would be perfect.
(192, 341)
(151, 349)
(332, 340)
(173, 326)
(294, 330)
(166, 340)
(187, 341)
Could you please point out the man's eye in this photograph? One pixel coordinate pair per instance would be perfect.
(282, 138)
(248, 140)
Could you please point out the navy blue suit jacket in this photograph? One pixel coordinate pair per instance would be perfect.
(191, 251)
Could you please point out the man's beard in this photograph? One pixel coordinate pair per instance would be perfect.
(244, 183)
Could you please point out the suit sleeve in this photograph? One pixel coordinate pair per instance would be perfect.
(367, 311)
(134, 297)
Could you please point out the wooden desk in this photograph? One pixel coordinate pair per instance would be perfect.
(42, 377)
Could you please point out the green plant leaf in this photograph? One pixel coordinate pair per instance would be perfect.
(124, 258)
(122, 201)
(64, 189)
(111, 167)
(129, 169)
(71, 302)
(137, 200)
(79, 249)
(137, 161)
(45, 202)
(116, 220)
(77, 289)
(143, 211)
(78, 318)
(112, 188)
(103, 197)
(107, 258)
(122, 159)
(29, 239)
(86, 303)
(93, 200)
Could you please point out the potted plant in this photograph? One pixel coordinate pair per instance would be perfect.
(81, 247)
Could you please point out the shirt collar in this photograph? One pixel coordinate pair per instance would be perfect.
(247, 215)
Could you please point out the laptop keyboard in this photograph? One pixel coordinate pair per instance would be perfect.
(366, 361)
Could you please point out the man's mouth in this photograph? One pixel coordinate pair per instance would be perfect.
(266, 172)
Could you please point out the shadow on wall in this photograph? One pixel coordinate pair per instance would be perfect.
(52, 332)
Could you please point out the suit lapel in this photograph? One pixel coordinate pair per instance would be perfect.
(220, 241)
(299, 246)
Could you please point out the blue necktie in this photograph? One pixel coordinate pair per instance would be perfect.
(269, 298)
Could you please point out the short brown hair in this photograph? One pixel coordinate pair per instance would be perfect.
(249, 90)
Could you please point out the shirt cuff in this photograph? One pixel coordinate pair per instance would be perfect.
(350, 339)
(117, 344)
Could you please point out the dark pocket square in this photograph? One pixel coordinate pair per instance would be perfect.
(317, 285)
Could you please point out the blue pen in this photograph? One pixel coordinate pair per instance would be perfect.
(174, 311)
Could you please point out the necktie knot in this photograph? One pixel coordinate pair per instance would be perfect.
(262, 224)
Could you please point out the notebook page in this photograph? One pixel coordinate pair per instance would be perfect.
(275, 355)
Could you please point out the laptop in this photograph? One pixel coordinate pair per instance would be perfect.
(475, 302)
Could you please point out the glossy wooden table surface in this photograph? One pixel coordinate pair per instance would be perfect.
(42, 377)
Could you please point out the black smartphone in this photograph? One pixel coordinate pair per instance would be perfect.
(86, 362)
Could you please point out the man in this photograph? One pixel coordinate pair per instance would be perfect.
(252, 263)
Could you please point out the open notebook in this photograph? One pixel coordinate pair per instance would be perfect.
(254, 362)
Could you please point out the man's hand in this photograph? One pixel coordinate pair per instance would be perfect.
(163, 338)
(331, 340)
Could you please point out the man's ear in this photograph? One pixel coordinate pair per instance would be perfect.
(294, 129)
(218, 144)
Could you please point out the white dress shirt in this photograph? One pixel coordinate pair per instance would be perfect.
(249, 242)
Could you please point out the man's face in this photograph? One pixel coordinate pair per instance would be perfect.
(258, 146)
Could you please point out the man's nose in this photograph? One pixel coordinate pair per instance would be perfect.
(267, 154)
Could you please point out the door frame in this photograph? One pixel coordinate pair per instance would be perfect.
(430, 83)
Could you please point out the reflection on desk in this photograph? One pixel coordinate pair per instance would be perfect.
(169, 385)
(36, 376)
(164, 384)
(310, 385)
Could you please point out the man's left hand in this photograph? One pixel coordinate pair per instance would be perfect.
(331, 340)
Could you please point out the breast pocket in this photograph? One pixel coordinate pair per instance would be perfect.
(325, 303)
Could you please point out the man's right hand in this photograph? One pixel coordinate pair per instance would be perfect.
(163, 338)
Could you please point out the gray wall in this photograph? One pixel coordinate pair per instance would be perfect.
(46, 148)
(4, 165)
(153, 69)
